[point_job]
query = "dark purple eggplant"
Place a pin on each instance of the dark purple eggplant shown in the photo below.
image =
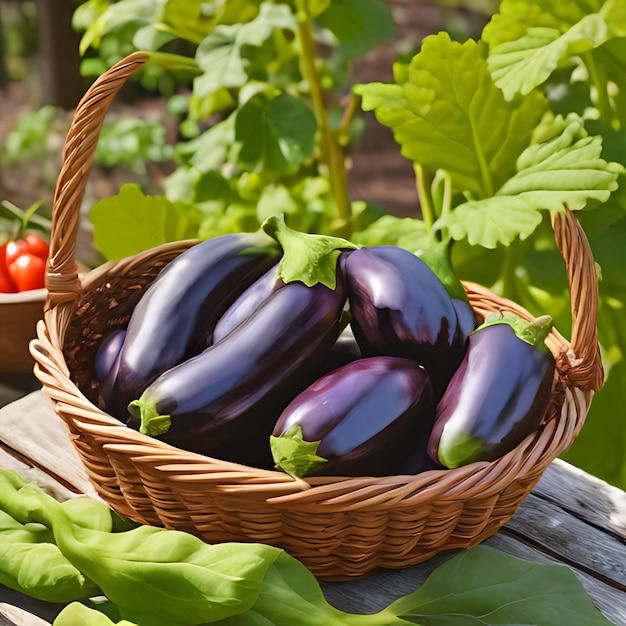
(247, 303)
(211, 398)
(466, 318)
(498, 395)
(364, 416)
(399, 307)
(108, 352)
(107, 363)
(176, 315)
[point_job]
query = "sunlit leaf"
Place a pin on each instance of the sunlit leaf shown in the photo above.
(450, 115)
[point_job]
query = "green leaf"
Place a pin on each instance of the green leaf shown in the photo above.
(309, 258)
(221, 54)
(450, 115)
(31, 563)
(359, 25)
(564, 169)
(485, 586)
(275, 135)
(131, 222)
(294, 455)
(521, 65)
(115, 16)
(77, 613)
(405, 232)
(496, 220)
(292, 596)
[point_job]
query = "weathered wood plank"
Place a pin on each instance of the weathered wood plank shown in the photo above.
(584, 496)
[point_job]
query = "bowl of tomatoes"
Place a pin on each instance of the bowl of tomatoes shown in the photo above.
(22, 296)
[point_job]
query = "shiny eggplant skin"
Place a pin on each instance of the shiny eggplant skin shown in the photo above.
(497, 397)
(466, 318)
(107, 363)
(212, 398)
(364, 415)
(247, 303)
(108, 352)
(177, 313)
(399, 307)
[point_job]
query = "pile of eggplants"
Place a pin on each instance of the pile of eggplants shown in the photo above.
(381, 372)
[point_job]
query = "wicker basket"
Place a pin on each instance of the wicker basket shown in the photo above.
(338, 527)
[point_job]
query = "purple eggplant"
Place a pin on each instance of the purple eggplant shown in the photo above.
(498, 395)
(107, 363)
(466, 318)
(399, 307)
(176, 315)
(107, 353)
(210, 400)
(247, 303)
(364, 415)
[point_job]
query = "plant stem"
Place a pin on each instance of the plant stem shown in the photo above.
(423, 191)
(331, 152)
(603, 102)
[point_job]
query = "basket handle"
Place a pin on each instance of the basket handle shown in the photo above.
(62, 281)
(582, 363)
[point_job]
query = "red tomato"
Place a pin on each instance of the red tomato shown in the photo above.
(28, 272)
(37, 245)
(14, 249)
(6, 283)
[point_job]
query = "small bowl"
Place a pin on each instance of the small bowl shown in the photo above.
(19, 314)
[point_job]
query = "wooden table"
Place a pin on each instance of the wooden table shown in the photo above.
(570, 518)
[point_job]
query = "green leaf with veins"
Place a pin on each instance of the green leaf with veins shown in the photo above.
(565, 169)
(275, 135)
(529, 40)
(450, 115)
(521, 65)
(222, 55)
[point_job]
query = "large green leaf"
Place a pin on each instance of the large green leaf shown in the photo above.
(275, 134)
(484, 586)
(130, 222)
(528, 39)
(521, 65)
(222, 55)
(359, 25)
(450, 115)
(563, 169)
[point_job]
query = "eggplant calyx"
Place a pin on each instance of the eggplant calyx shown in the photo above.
(294, 455)
(152, 423)
(532, 332)
(309, 258)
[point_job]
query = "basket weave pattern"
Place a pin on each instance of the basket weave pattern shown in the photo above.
(339, 527)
